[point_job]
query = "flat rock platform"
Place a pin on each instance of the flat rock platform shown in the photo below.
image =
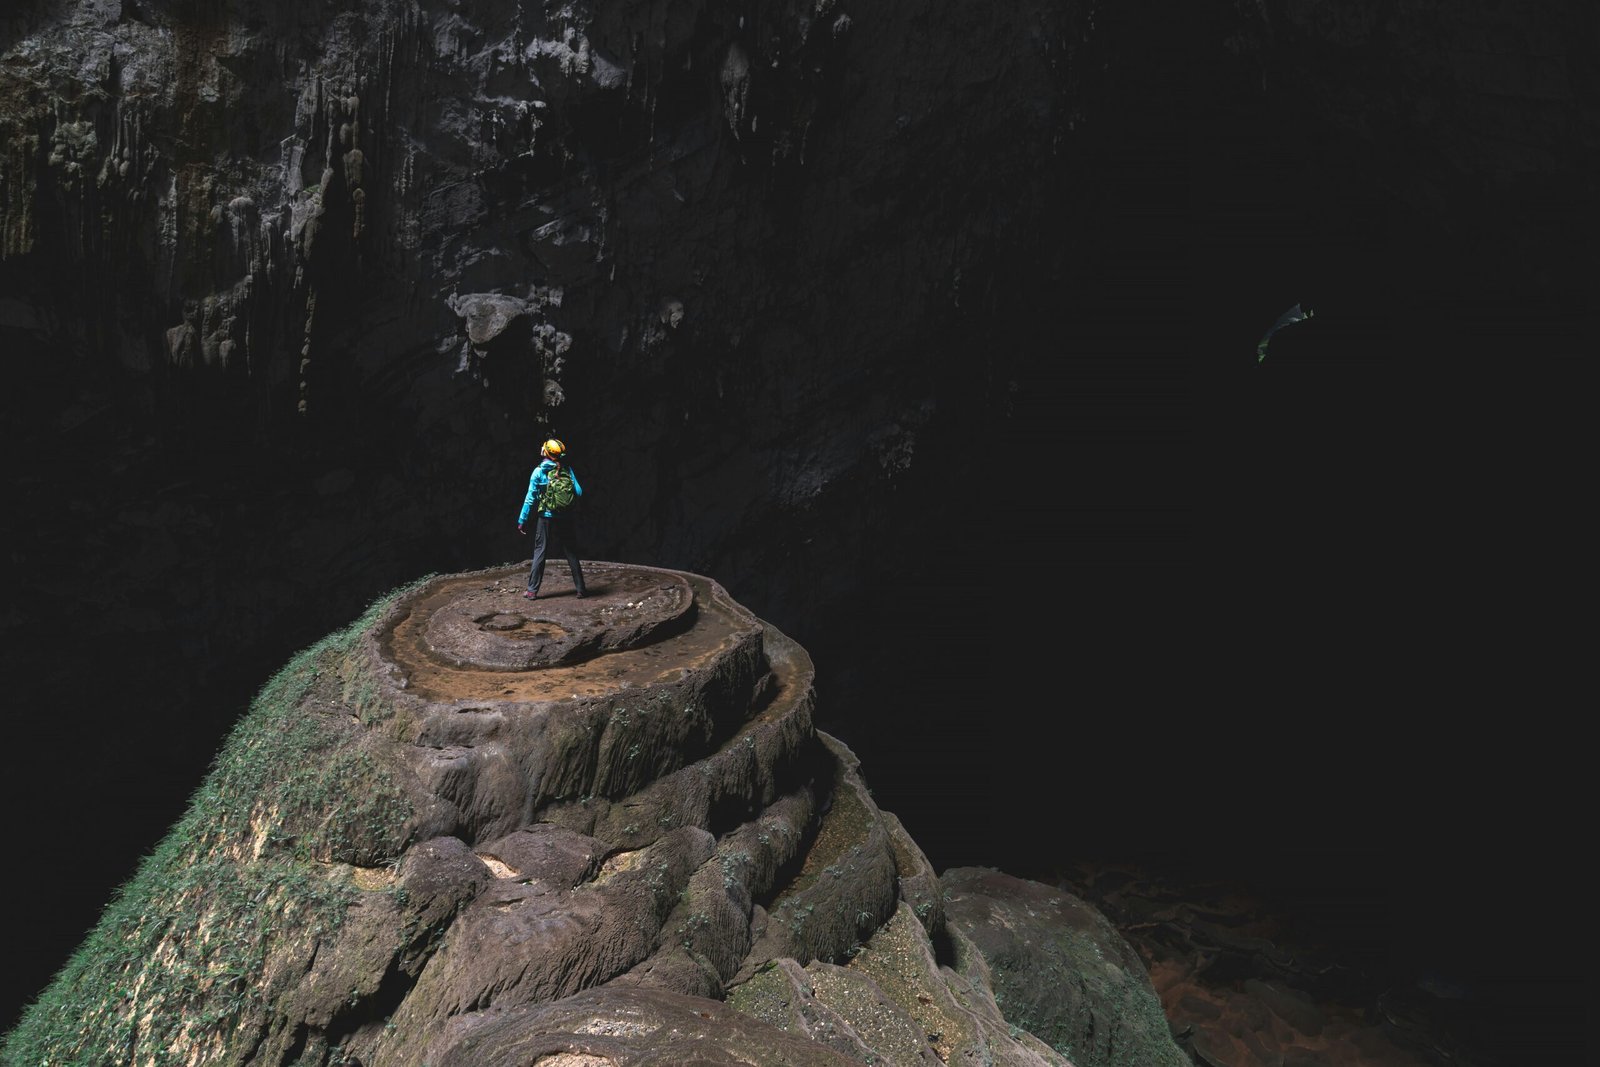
(472, 638)
(490, 625)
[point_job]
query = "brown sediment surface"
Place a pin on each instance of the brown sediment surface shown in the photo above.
(475, 637)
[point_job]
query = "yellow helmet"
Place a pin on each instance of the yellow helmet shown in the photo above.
(554, 449)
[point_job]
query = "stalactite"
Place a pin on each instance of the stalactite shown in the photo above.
(303, 403)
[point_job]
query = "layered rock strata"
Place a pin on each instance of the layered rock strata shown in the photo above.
(478, 828)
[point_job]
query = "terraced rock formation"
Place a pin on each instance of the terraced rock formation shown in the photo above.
(475, 828)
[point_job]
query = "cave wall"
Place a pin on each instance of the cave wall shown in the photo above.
(290, 295)
(294, 296)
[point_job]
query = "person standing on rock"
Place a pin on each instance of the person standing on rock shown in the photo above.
(552, 491)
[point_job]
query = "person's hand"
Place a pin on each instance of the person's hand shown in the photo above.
(521, 531)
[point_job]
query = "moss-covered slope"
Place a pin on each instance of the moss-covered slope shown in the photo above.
(469, 824)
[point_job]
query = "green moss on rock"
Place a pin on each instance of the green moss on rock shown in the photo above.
(184, 964)
(1058, 969)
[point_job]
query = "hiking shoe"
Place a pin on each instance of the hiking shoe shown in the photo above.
(530, 595)
(582, 594)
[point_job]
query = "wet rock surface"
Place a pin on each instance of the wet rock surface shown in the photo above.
(497, 628)
(1058, 968)
(630, 847)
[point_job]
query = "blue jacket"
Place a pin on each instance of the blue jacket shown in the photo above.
(536, 484)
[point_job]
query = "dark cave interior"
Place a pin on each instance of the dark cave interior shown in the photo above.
(1175, 632)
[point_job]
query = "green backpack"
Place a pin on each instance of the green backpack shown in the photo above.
(558, 492)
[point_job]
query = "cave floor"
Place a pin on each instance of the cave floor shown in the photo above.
(1247, 982)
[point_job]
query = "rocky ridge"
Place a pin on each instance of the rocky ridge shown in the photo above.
(474, 828)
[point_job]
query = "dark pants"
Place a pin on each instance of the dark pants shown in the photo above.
(557, 534)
